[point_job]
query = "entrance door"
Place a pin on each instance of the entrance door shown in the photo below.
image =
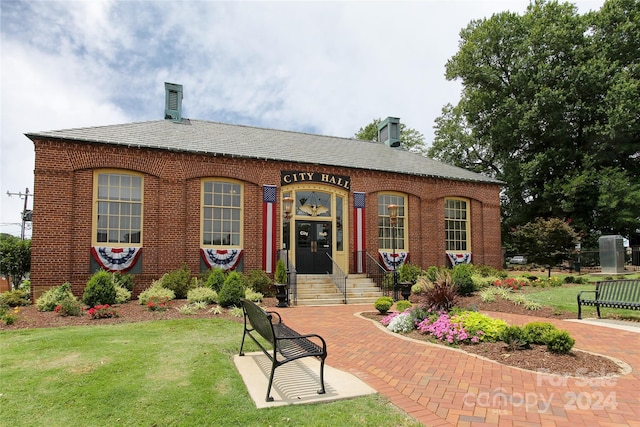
(313, 243)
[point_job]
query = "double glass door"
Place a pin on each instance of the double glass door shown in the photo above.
(313, 244)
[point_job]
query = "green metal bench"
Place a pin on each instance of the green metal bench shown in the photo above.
(613, 294)
(287, 344)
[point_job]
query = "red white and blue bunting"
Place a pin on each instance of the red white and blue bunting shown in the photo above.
(226, 259)
(392, 261)
(116, 259)
(457, 259)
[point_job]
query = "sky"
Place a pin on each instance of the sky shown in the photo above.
(324, 67)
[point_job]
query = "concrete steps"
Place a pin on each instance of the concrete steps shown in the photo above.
(318, 289)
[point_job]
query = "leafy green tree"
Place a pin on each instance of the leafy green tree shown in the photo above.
(410, 139)
(546, 241)
(15, 258)
(549, 106)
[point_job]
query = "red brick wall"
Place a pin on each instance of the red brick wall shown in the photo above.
(61, 238)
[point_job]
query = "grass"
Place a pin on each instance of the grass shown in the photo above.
(564, 298)
(162, 373)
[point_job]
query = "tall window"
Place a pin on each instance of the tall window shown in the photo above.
(221, 213)
(118, 207)
(386, 232)
(456, 225)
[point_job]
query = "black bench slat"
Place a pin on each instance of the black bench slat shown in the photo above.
(623, 294)
(287, 344)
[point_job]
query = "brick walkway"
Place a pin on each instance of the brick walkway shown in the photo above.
(445, 387)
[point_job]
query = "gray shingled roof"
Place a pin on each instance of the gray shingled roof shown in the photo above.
(197, 136)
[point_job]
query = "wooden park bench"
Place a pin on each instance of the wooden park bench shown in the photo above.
(287, 344)
(613, 294)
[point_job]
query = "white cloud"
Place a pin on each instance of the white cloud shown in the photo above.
(322, 67)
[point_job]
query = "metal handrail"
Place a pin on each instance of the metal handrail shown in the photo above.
(338, 278)
(377, 273)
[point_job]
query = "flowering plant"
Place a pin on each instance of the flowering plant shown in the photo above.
(69, 307)
(388, 318)
(510, 283)
(403, 322)
(158, 303)
(444, 329)
(102, 312)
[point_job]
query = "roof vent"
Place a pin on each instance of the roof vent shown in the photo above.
(173, 102)
(389, 132)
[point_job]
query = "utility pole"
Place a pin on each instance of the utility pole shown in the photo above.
(27, 215)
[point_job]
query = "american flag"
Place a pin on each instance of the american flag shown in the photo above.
(268, 227)
(358, 220)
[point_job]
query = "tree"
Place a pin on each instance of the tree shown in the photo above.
(549, 106)
(410, 139)
(15, 258)
(546, 241)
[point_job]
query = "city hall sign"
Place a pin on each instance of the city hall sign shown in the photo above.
(295, 177)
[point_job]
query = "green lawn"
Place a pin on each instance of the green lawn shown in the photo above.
(162, 373)
(564, 298)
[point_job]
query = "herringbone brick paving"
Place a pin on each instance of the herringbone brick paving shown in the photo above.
(440, 386)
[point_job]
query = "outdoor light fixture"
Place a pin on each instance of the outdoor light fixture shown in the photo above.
(287, 205)
(393, 219)
(393, 214)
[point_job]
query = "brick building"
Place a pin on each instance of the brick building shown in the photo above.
(147, 197)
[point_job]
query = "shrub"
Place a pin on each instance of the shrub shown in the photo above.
(259, 281)
(559, 341)
(215, 310)
(409, 273)
(8, 316)
(188, 309)
(102, 312)
(461, 278)
(402, 305)
(487, 295)
(232, 290)
(69, 307)
(480, 325)
(538, 331)
(515, 338)
(441, 295)
(158, 303)
(252, 295)
(15, 298)
(49, 300)
(488, 271)
(281, 272)
(215, 279)
(481, 282)
(432, 272)
(511, 283)
(155, 291)
(553, 281)
(383, 304)
(202, 294)
(99, 290)
(123, 279)
(122, 294)
(179, 281)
